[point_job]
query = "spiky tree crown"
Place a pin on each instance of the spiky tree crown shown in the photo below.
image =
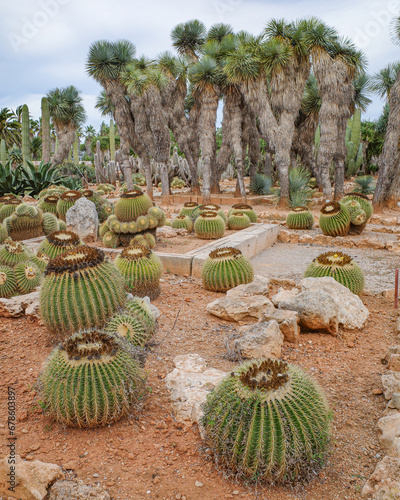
(71, 195)
(225, 253)
(331, 208)
(76, 259)
(64, 238)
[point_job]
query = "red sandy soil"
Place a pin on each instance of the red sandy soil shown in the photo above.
(150, 455)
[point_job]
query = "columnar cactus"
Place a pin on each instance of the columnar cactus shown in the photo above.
(81, 289)
(46, 144)
(26, 150)
(91, 380)
(238, 221)
(334, 219)
(183, 222)
(141, 269)
(209, 226)
(59, 242)
(300, 218)
(226, 268)
(66, 201)
(3, 152)
(339, 266)
(268, 421)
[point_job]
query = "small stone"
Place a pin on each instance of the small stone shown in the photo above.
(236, 492)
(198, 484)
(377, 392)
(156, 480)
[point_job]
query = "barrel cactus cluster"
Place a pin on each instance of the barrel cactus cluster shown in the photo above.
(81, 289)
(245, 209)
(104, 208)
(360, 209)
(134, 213)
(334, 219)
(226, 268)
(339, 266)
(141, 269)
(268, 421)
(90, 380)
(19, 272)
(28, 221)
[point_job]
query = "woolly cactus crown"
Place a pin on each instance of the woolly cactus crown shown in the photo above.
(75, 259)
(63, 238)
(71, 195)
(331, 208)
(225, 253)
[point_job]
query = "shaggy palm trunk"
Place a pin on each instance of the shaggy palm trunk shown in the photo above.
(225, 151)
(234, 101)
(303, 141)
(206, 130)
(65, 138)
(252, 138)
(388, 186)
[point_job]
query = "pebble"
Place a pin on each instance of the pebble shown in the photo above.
(236, 492)
(198, 484)
(377, 392)
(95, 475)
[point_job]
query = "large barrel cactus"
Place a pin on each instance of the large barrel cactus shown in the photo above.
(66, 201)
(141, 269)
(339, 266)
(49, 203)
(300, 218)
(268, 421)
(226, 268)
(59, 242)
(209, 226)
(244, 208)
(81, 289)
(334, 219)
(91, 380)
(131, 205)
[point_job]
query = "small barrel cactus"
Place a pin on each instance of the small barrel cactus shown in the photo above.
(8, 208)
(3, 233)
(238, 221)
(209, 207)
(110, 239)
(334, 219)
(66, 201)
(91, 380)
(81, 289)
(49, 203)
(13, 252)
(339, 266)
(50, 223)
(268, 421)
(41, 260)
(226, 268)
(244, 208)
(141, 269)
(358, 217)
(300, 218)
(130, 328)
(158, 213)
(209, 226)
(183, 222)
(363, 200)
(131, 205)
(6, 198)
(188, 208)
(59, 242)
(28, 276)
(8, 283)
(140, 309)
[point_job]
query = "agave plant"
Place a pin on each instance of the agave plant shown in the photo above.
(10, 180)
(300, 193)
(35, 179)
(365, 184)
(261, 184)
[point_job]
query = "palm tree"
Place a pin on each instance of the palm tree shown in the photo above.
(382, 82)
(105, 105)
(388, 185)
(188, 38)
(10, 127)
(89, 133)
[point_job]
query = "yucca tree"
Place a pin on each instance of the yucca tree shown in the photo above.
(67, 114)
(388, 186)
(89, 133)
(105, 105)
(272, 72)
(382, 82)
(10, 127)
(188, 38)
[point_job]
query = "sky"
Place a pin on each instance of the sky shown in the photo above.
(44, 43)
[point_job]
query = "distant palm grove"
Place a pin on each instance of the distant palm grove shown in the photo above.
(292, 97)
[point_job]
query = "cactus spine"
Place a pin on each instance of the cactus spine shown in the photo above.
(46, 143)
(91, 380)
(26, 153)
(268, 421)
(3, 152)
(226, 268)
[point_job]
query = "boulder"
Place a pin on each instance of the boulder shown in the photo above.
(21, 304)
(389, 430)
(240, 308)
(260, 340)
(284, 295)
(394, 362)
(259, 286)
(384, 484)
(82, 218)
(322, 239)
(370, 243)
(306, 238)
(390, 383)
(284, 236)
(288, 322)
(317, 310)
(352, 312)
(189, 383)
(32, 478)
(74, 490)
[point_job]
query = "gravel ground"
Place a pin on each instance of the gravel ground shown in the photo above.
(285, 260)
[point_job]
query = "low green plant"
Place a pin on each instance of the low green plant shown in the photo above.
(35, 179)
(261, 184)
(365, 184)
(300, 218)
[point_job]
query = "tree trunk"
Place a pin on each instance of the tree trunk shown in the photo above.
(387, 188)
(165, 192)
(66, 137)
(339, 178)
(88, 146)
(268, 165)
(147, 173)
